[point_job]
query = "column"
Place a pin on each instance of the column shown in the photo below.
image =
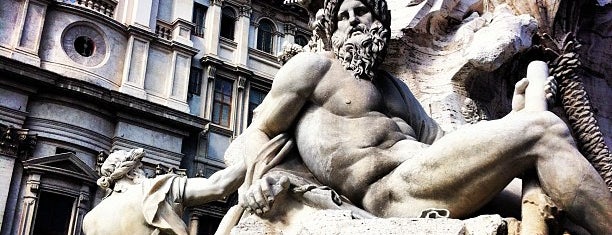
(28, 207)
(213, 27)
(194, 222)
(242, 39)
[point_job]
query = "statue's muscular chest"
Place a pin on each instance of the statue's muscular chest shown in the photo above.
(349, 97)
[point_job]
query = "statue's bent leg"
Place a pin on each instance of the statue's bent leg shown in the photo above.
(465, 169)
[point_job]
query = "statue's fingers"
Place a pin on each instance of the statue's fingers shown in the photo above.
(243, 202)
(261, 201)
(266, 190)
(284, 182)
(520, 86)
(253, 203)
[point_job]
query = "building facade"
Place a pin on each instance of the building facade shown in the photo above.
(79, 79)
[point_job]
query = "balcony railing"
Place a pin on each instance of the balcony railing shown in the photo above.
(163, 30)
(199, 31)
(104, 7)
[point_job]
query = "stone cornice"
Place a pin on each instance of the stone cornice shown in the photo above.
(16, 142)
(141, 33)
(115, 100)
(219, 64)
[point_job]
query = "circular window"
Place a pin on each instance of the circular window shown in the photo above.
(84, 45)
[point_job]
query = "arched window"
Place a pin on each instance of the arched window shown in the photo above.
(265, 35)
(228, 22)
(301, 40)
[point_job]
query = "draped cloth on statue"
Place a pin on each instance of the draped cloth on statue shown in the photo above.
(161, 204)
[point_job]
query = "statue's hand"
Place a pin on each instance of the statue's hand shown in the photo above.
(551, 91)
(261, 194)
(518, 99)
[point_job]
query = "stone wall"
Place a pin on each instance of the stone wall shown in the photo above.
(595, 35)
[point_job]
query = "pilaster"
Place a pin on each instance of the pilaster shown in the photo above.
(27, 41)
(181, 31)
(179, 79)
(28, 207)
(213, 27)
(242, 27)
(82, 208)
(141, 13)
(15, 145)
(239, 105)
(211, 72)
(290, 29)
(135, 64)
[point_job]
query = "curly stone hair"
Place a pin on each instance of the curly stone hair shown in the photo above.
(119, 164)
(326, 24)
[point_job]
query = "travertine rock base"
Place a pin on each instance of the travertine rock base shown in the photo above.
(340, 222)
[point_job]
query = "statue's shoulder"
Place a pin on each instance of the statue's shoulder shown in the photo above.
(310, 60)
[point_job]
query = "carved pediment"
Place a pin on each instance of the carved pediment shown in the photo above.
(67, 164)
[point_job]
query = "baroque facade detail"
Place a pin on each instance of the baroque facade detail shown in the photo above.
(16, 142)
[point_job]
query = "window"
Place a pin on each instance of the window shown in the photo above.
(208, 225)
(199, 14)
(301, 40)
(228, 20)
(195, 81)
(255, 98)
(264, 35)
(53, 214)
(222, 102)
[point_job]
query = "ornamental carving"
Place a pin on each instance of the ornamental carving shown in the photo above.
(16, 142)
(245, 11)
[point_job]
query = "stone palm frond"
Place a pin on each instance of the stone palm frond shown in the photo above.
(577, 106)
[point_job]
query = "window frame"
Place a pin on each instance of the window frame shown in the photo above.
(220, 99)
(260, 43)
(199, 19)
(226, 20)
(249, 109)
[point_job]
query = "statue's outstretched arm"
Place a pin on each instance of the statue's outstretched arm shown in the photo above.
(201, 190)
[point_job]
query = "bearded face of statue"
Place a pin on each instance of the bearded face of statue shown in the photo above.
(359, 39)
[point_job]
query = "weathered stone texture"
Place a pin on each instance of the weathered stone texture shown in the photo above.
(340, 222)
(595, 35)
(6, 173)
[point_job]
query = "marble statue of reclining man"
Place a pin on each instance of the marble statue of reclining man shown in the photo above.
(362, 132)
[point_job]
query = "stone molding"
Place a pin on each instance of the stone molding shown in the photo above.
(119, 101)
(16, 142)
(245, 11)
(217, 2)
(290, 28)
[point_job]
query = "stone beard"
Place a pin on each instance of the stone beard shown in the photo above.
(361, 50)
